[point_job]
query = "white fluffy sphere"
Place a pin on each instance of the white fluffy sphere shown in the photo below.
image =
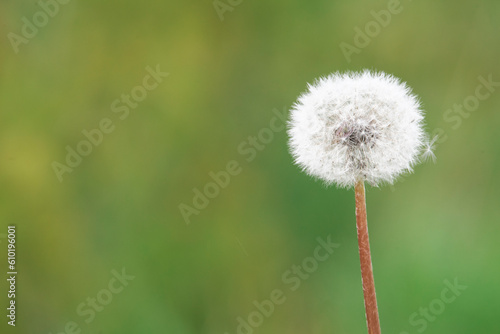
(354, 127)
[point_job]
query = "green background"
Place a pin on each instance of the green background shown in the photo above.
(120, 207)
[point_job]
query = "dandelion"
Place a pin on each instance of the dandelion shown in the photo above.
(352, 128)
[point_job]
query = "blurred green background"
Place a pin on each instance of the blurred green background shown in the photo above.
(120, 207)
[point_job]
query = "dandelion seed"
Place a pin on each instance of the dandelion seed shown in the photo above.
(428, 150)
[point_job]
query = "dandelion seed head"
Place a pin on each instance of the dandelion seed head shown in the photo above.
(356, 126)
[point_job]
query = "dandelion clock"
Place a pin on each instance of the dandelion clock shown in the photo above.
(352, 128)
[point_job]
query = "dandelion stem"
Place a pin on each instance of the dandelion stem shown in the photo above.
(372, 318)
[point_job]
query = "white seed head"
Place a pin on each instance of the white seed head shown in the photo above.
(351, 127)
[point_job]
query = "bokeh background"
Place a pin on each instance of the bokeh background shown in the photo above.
(227, 79)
